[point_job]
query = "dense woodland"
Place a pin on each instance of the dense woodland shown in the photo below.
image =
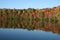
(47, 19)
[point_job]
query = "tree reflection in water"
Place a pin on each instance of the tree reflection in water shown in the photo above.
(31, 19)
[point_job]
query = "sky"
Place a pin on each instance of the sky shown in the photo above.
(23, 4)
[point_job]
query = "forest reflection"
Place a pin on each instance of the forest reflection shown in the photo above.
(32, 19)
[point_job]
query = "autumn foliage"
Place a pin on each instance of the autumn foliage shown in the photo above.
(45, 19)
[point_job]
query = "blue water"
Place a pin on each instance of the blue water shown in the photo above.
(24, 34)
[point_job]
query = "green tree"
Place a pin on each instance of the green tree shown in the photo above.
(58, 15)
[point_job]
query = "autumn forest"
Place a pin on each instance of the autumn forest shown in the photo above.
(47, 19)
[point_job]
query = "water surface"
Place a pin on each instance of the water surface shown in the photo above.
(24, 34)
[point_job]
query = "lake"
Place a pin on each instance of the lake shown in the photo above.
(25, 34)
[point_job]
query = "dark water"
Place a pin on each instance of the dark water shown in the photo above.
(24, 34)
